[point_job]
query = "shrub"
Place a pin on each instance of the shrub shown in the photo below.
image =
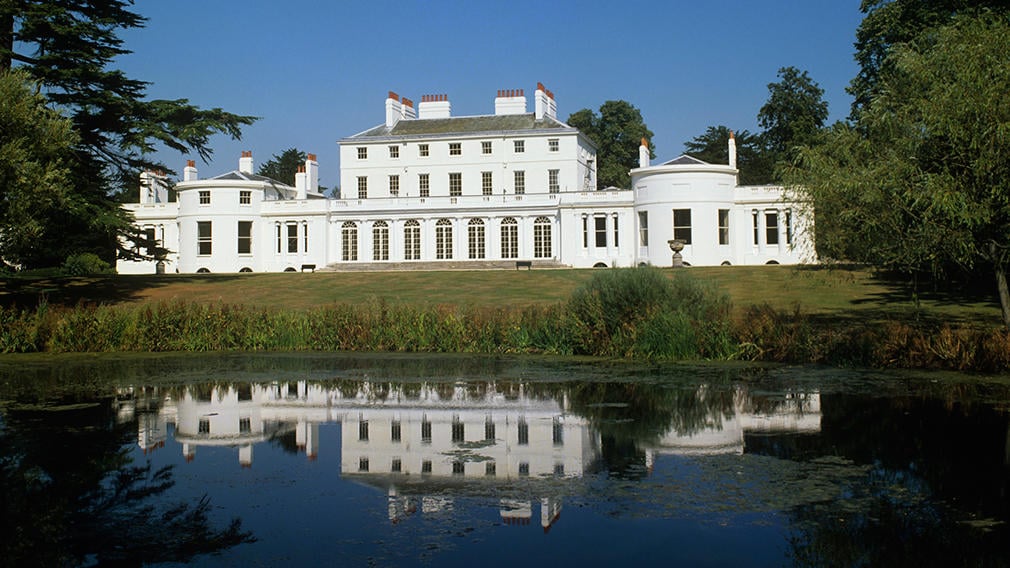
(84, 264)
(641, 311)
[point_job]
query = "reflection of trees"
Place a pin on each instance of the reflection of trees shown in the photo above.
(630, 415)
(72, 496)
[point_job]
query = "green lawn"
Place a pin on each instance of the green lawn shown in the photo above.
(838, 293)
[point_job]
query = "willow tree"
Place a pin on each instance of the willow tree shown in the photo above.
(922, 179)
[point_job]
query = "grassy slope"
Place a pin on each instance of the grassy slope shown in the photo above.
(829, 293)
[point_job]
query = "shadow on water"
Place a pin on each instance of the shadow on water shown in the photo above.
(72, 494)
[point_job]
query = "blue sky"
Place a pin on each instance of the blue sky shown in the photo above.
(318, 71)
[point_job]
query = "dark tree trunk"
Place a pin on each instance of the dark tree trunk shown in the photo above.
(1004, 293)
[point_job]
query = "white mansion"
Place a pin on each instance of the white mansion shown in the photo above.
(426, 187)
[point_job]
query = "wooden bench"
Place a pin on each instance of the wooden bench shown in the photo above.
(527, 264)
(309, 267)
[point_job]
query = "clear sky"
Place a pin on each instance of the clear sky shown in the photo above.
(316, 72)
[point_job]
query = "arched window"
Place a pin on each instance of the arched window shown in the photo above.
(443, 239)
(380, 240)
(509, 238)
(349, 241)
(475, 239)
(412, 240)
(542, 238)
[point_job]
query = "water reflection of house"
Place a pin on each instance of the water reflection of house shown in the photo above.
(427, 444)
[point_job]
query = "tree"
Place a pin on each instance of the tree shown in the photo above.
(35, 173)
(889, 23)
(617, 132)
(921, 180)
(794, 113)
(283, 167)
(752, 159)
(68, 48)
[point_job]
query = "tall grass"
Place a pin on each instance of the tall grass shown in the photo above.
(636, 313)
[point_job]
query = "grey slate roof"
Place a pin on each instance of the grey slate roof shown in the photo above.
(463, 125)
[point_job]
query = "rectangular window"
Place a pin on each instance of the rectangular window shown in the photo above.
(396, 466)
(523, 436)
(204, 426)
(394, 186)
(455, 184)
(203, 240)
(520, 182)
(601, 231)
(490, 469)
(425, 429)
(244, 425)
(152, 244)
(394, 152)
(643, 229)
(558, 432)
(455, 149)
(485, 147)
(789, 227)
(362, 187)
(362, 153)
(362, 464)
(426, 466)
(244, 197)
(489, 430)
(616, 239)
(280, 238)
(204, 197)
(724, 226)
(772, 228)
(524, 469)
(362, 429)
(486, 183)
(585, 232)
(552, 181)
(754, 216)
(292, 237)
(422, 150)
(519, 146)
(305, 237)
(682, 225)
(423, 184)
(245, 237)
(552, 145)
(457, 468)
(458, 431)
(394, 431)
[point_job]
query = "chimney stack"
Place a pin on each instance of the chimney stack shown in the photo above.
(245, 163)
(434, 106)
(189, 173)
(543, 103)
(153, 188)
(644, 154)
(510, 101)
(394, 109)
(732, 150)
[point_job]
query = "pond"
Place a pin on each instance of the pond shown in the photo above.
(263, 460)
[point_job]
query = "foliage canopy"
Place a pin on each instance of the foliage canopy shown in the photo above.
(617, 132)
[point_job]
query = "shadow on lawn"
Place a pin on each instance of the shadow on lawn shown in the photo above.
(27, 293)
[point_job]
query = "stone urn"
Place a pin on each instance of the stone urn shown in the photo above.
(677, 245)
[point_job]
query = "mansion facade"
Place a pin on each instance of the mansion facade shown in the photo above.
(427, 187)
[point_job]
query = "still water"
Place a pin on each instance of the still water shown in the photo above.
(454, 461)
